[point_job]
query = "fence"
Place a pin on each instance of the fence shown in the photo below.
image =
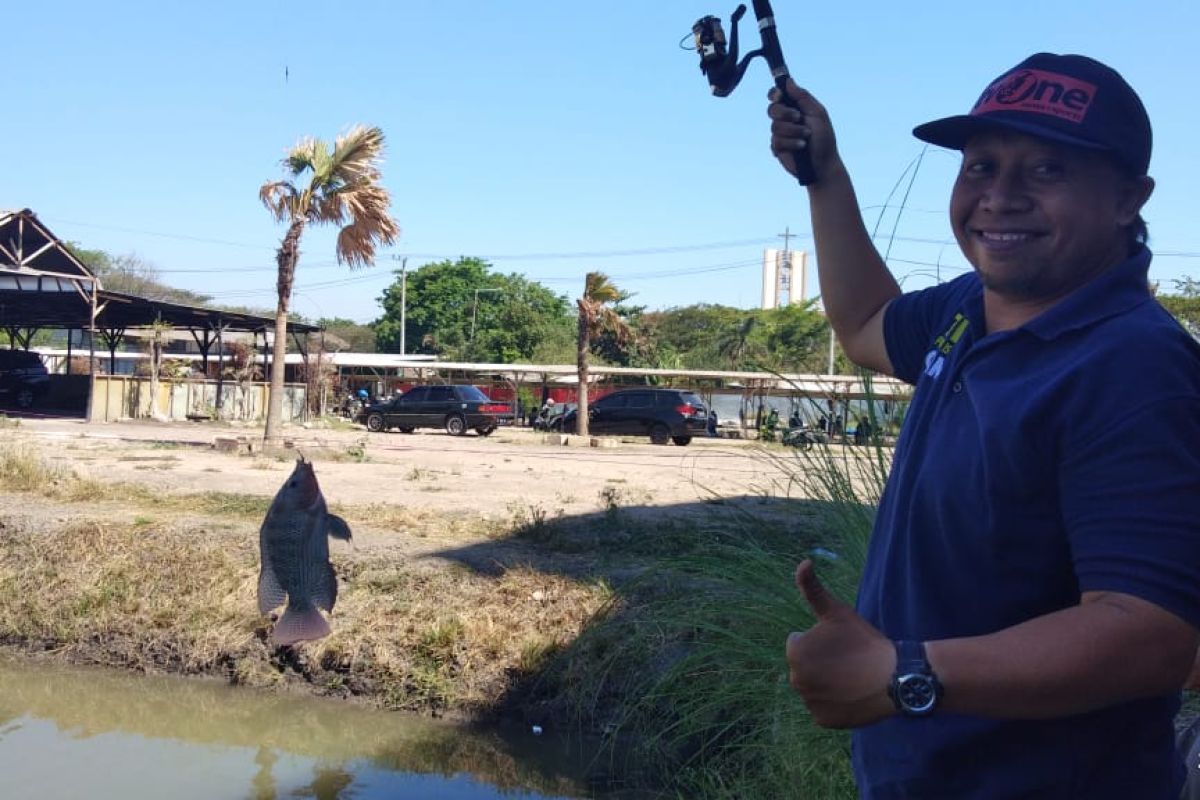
(116, 397)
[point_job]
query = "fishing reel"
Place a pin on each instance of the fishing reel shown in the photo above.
(719, 62)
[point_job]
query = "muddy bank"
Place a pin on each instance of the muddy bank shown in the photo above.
(138, 549)
(156, 587)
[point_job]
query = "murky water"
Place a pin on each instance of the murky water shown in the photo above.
(71, 733)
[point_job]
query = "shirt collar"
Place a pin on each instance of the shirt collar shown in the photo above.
(1112, 292)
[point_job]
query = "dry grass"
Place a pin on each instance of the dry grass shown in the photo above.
(136, 594)
(450, 637)
(134, 586)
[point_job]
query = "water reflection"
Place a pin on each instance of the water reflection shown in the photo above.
(93, 733)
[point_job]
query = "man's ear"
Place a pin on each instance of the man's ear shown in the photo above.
(1135, 192)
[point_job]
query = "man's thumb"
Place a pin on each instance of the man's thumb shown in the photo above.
(823, 603)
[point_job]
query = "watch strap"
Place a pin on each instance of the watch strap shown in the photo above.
(910, 657)
(914, 689)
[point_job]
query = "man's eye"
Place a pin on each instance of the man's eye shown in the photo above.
(977, 168)
(1048, 169)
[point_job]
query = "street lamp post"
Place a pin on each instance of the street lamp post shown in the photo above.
(403, 299)
(403, 302)
(475, 307)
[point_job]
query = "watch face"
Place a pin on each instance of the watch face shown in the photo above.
(916, 693)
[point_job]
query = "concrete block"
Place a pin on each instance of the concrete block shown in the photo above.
(227, 444)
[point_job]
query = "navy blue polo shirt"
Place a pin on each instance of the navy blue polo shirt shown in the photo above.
(1034, 464)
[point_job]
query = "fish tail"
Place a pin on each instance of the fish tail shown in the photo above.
(299, 625)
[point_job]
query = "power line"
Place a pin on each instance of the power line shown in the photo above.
(377, 274)
(330, 264)
(640, 251)
(534, 256)
(182, 236)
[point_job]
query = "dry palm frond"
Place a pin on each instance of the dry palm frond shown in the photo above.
(280, 198)
(357, 153)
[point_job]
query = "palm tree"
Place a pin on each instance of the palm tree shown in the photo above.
(595, 315)
(342, 188)
(734, 344)
(158, 333)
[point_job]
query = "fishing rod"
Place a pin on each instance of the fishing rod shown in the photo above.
(719, 63)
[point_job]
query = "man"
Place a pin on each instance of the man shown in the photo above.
(1029, 606)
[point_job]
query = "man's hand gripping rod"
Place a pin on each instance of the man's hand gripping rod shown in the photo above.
(724, 71)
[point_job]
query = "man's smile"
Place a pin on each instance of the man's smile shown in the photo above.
(1003, 240)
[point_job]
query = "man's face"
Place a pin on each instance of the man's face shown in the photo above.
(1038, 219)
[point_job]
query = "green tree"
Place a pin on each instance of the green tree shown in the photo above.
(624, 347)
(516, 320)
(691, 337)
(595, 315)
(796, 338)
(738, 345)
(132, 274)
(462, 310)
(558, 347)
(438, 315)
(1184, 304)
(343, 188)
(349, 334)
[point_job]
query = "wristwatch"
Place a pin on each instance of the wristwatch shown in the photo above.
(914, 689)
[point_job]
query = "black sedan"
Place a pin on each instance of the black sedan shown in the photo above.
(457, 409)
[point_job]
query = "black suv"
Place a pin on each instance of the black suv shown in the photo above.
(23, 378)
(664, 415)
(455, 408)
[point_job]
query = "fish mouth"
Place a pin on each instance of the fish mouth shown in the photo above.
(304, 482)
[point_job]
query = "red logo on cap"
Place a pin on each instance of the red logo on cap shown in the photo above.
(1038, 92)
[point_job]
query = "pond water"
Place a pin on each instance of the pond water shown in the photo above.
(90, 733)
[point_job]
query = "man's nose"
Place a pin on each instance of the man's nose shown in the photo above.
(1006, 192)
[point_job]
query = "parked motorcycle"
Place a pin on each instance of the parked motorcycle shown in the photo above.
(804, 437)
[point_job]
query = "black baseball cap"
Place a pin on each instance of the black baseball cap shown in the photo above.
(1071, 99)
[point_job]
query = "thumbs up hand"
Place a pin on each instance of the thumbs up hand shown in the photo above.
(842, 665)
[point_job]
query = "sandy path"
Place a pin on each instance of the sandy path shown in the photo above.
(430, 474)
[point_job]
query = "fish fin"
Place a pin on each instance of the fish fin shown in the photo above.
(270, 592)
(299, 625)
(336, 527)
(325, 593)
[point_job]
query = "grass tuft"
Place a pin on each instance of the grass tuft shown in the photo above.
(689, 658)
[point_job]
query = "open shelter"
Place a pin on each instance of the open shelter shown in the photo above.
(44, 286)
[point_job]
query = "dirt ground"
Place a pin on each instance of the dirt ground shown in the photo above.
(513, 473)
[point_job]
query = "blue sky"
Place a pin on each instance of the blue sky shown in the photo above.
(551, 138)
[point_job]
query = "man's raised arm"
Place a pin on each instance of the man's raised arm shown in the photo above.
(856, 285)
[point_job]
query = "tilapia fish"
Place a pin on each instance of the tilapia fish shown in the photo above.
(294, 549)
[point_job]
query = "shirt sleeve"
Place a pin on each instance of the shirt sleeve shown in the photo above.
(1131, 506)
(913, 320)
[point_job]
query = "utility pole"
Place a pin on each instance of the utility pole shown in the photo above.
(786, 236)
(403, 303)
(831, 340)
(785, 274)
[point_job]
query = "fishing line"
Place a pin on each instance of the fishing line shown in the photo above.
(887, 201)
(904, 202)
